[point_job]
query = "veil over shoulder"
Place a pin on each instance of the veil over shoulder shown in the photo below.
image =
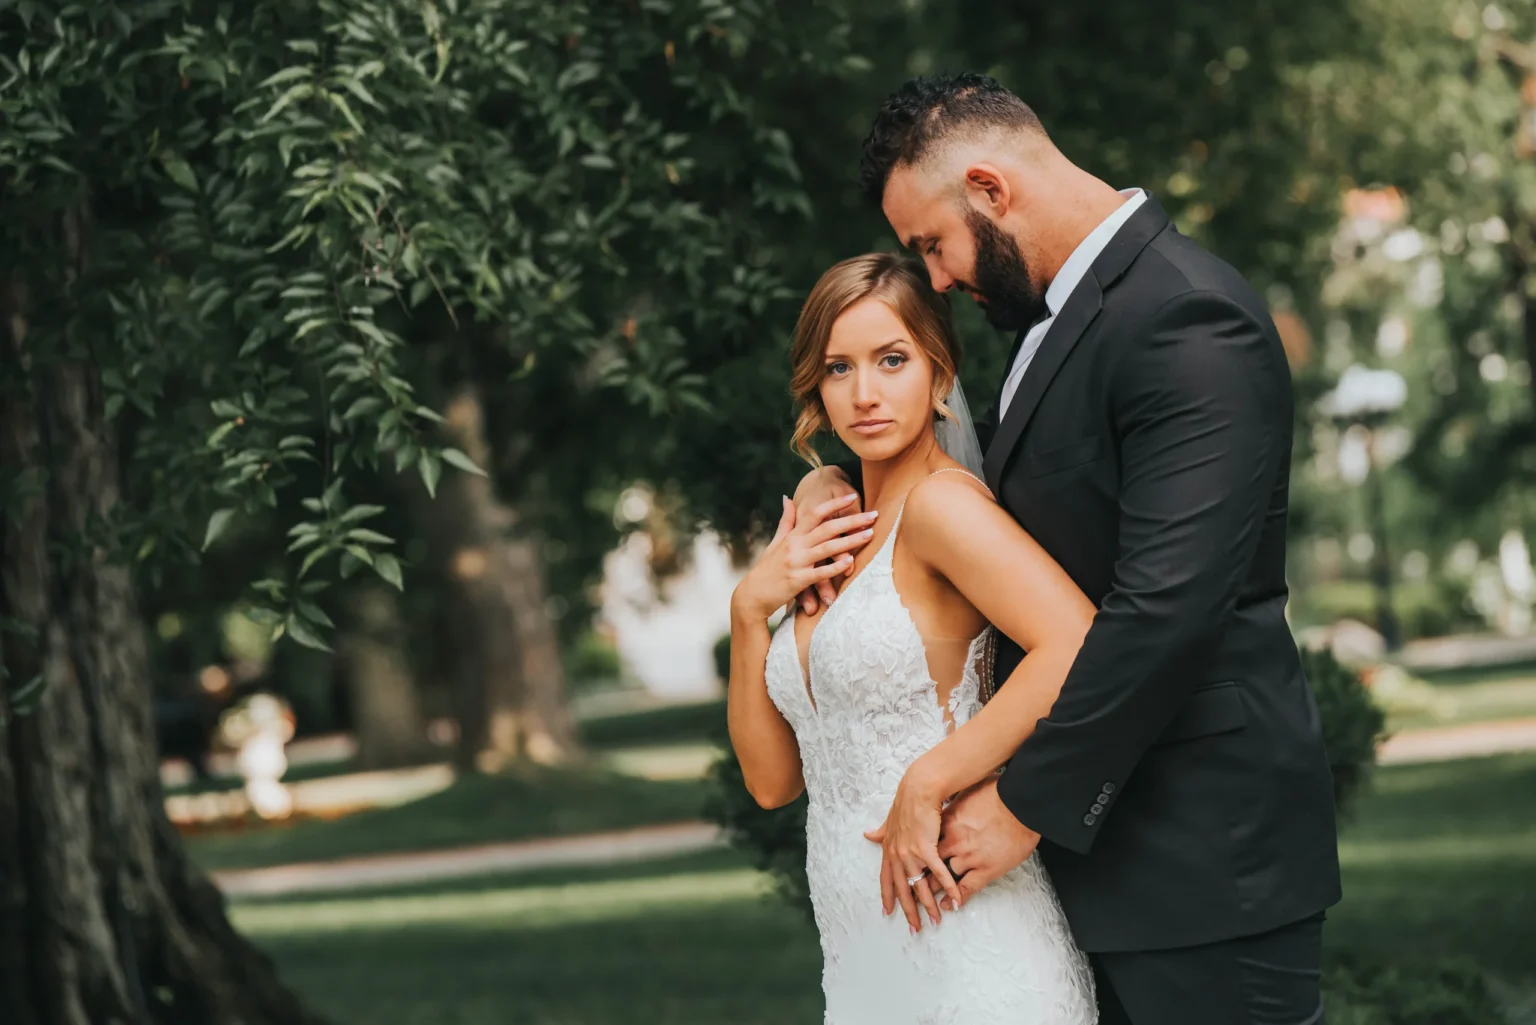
(957, 432)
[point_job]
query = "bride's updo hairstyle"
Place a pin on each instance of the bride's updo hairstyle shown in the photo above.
(898, 283)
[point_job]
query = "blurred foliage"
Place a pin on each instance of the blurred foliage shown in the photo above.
(1434, 112)
(1444, 993)
(286, 233)
(592, 662)
(247, 215)
(1353, 723)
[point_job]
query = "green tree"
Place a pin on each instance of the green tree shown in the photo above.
(227, 229)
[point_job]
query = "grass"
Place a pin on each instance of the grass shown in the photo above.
(702, 721)
(474, 810)
(1495, 698)
(682, 942)
(1440, 861)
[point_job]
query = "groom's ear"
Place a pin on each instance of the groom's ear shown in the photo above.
(989, 188)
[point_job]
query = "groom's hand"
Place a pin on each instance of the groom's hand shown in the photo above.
(981, 840)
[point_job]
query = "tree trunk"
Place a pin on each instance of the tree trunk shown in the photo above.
(386, 707)
(103, 920)
(509, 682)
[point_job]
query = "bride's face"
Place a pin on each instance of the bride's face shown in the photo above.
(877, 384)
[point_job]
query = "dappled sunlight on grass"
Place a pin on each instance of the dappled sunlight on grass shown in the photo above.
(1441, 862)
(478, 809)
(511, 908)
(689, 941)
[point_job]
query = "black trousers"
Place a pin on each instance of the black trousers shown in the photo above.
(1274, 978)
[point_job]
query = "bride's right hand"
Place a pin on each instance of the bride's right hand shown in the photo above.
(791, 561)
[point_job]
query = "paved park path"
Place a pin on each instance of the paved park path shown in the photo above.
(1411, 746)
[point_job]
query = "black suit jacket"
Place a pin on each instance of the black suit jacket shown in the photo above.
(1180, 782)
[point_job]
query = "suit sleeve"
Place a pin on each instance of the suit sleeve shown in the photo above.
(1201, 405)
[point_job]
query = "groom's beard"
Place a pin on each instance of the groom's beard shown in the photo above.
(1010, 299)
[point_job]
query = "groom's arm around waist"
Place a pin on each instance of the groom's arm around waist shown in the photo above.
(1201, 404)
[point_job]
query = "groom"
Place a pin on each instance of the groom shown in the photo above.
(1178, 791)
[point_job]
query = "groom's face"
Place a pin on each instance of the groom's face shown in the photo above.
(963, 248)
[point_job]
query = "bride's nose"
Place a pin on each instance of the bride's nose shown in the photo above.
(866, 390)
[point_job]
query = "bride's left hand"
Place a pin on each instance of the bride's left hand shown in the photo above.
(909, 842)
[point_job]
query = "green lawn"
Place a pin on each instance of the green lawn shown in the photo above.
(681, 942)
(1441, 860)
(474, 810)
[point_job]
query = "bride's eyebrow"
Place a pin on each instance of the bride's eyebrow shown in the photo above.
(833, 357)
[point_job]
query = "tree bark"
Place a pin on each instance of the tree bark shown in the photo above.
(386, 706)
(103, 919)
(509, 681)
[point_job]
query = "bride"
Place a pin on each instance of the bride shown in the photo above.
(874, 705)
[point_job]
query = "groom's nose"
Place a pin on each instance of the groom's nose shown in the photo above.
(941, 282)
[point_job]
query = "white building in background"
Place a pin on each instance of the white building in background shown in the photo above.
(666, 637)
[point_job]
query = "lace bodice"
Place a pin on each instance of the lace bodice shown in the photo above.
(869, 709)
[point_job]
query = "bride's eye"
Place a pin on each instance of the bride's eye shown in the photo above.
(837, 369)
(892, 360)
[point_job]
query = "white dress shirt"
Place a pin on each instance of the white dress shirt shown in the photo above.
(1062, 286)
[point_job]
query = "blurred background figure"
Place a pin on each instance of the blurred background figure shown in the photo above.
(256, 729)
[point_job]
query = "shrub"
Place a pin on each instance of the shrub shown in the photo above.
(1353, 724)
(1444, 993)
(723, 658)
(592, 662)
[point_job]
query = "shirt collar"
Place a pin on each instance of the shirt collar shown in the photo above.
(1088, 250)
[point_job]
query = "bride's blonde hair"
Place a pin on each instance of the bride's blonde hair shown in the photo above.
(899, 284)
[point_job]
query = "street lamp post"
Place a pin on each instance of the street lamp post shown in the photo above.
(1364, 400)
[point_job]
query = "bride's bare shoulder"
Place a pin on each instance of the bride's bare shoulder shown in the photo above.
(948, 504)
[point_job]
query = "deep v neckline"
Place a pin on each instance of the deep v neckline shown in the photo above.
(803, 665)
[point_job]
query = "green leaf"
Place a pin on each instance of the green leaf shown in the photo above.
(358, 513)
(363, 407)
(371, 329)
(313, 613)
(431, 470)
(301, 632)
(456, 458)
(340, 103)
(285, 75)
(263, 615)
(180, 173)
(360, 90)
(225, 409)
(24, 699)
(369, 536)
(216, 526)
(301, 91)
(312, 558)
(388, 567)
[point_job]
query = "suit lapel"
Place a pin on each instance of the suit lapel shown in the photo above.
(1081, 307)
(1075, 316)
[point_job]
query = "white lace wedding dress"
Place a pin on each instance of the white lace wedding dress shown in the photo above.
(871, 709)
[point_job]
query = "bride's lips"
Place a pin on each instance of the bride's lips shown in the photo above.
(868, 427)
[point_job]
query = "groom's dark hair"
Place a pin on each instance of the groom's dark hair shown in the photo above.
(926, 110)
